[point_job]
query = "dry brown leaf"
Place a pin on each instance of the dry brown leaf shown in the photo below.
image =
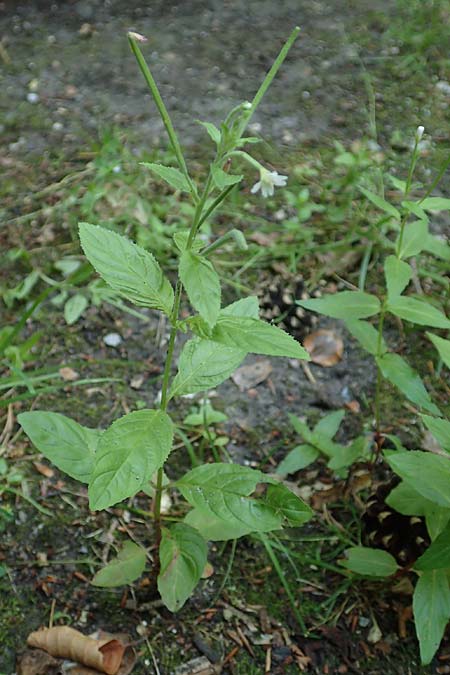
(208, 571)
(325, 497)
(199, 666)
(68, 374)
(247, 377)
(324, 347)
(127, 665)
(263, 239)
(36, 662)
(128, 659)
(44, 469)
(65, 642)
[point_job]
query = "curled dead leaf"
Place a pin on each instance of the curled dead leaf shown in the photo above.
(325, 347)
(62, 641)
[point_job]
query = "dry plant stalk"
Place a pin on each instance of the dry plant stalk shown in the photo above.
(64, 642)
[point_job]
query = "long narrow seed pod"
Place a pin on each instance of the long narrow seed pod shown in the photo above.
(64, 642)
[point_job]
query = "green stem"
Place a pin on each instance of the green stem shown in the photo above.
(218, 200)
(163, 112)
(30, 500)
(403, 222)
(168, 365)
(235, 234)
(268, 79)
(199, 210)
(437, 180)
(379, 377)
(412, 166)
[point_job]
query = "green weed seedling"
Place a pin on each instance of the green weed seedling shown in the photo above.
(425, 489)
(202, 419)
(130, 455)
(319, 441)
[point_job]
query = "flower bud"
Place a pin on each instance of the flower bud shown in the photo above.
(419, 133)
(136, 36)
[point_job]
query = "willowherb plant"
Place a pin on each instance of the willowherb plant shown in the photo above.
(425, 487)
(130, 455)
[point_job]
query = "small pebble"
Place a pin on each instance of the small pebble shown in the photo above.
(112, 340)
(443, 86)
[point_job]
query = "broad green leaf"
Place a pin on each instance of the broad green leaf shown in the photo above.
(181, 239)
(429, 474)
(63, 441)
(223, 179)
(398, 184)
(431, 608)
(183, 555)
(202, 285)
(436, 519)
(414, 239)
(326, 445)
(171, 175)
(437, 247)
(367, 336)
(417, 311)
(440, 429)
(345, 305)
(398, 275)
(124, 569)
(74, 308)
(399, 373)
(319, 440)
(257, 337)
(246, 307)
(381, 203)
(329, 425)
(435, 204)
(405, 499)
(437, 556)
(128, 454)
(287, 505)
(215, 529)
(301, 427)
(212, 130)
(224, 490)
(443, 347)
(126, 267)
(416, 209)
(344, 455)
(371, 562)
(204, 364)
(298, 458)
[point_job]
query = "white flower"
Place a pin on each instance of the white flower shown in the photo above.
(268, 180)
(419, 133)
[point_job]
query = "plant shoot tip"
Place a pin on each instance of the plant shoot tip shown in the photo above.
(137, 36)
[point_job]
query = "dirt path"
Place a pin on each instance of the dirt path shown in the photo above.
(70, 69)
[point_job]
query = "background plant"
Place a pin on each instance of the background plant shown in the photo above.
(425, 476)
